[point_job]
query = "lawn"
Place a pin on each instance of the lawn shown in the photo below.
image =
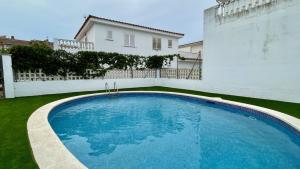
(15, 152)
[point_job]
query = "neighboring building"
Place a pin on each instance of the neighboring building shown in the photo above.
(100, 34)
(192, 54)
(194, 47)
(6, 43)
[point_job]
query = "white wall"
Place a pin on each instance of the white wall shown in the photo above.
(90, 36)
(254, 54)
(199, 85)
(54, 87)
(34, 88)
(7, 76)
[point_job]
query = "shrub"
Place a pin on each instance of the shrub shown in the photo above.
(32, 57)
(157, 62)
(60, 62)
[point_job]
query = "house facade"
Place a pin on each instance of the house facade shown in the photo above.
(191, 53)
(100, 34)
(194, 47)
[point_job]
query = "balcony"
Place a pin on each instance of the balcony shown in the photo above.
(73, 46)
(190, 55)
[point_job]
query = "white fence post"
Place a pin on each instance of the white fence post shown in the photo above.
(157, 73)
(9, 91)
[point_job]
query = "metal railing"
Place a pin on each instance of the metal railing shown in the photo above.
(107, 89)
(116, 89)
(197, 60)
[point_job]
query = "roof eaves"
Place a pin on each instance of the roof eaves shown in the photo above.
(191, 44)
(129, 24)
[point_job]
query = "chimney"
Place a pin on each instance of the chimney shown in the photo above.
(12, 37)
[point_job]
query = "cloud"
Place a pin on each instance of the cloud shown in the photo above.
(38, 19)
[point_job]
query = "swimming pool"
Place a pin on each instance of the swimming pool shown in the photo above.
(160, 130)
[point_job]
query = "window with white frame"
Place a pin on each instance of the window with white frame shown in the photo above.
(156, 43)
(170, 43)
(129, 40)
(109, 35)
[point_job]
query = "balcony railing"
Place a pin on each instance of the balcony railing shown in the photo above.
(72, 45)
(189, 55)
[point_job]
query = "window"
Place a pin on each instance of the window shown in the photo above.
(156, 44)
(129, 40)
(132, 40)
(109, 35)
(170, 44)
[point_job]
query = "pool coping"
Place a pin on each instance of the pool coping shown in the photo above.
(50, 153)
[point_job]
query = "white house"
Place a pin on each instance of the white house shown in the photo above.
(192, 53)
(100, 34)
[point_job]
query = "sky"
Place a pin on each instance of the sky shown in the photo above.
(42, 19)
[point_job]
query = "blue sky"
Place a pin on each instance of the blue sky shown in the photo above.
(39, 19)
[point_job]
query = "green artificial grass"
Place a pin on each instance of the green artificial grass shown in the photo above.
(15, 151)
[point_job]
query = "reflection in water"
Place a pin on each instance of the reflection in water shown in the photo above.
(106, 124)
(160, 131)
(113, 125)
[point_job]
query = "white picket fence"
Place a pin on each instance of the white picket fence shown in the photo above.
(194, 74)
(113, 74)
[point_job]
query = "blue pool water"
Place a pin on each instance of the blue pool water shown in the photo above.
(160, 131)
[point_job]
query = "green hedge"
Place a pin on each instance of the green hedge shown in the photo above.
(59, 62)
